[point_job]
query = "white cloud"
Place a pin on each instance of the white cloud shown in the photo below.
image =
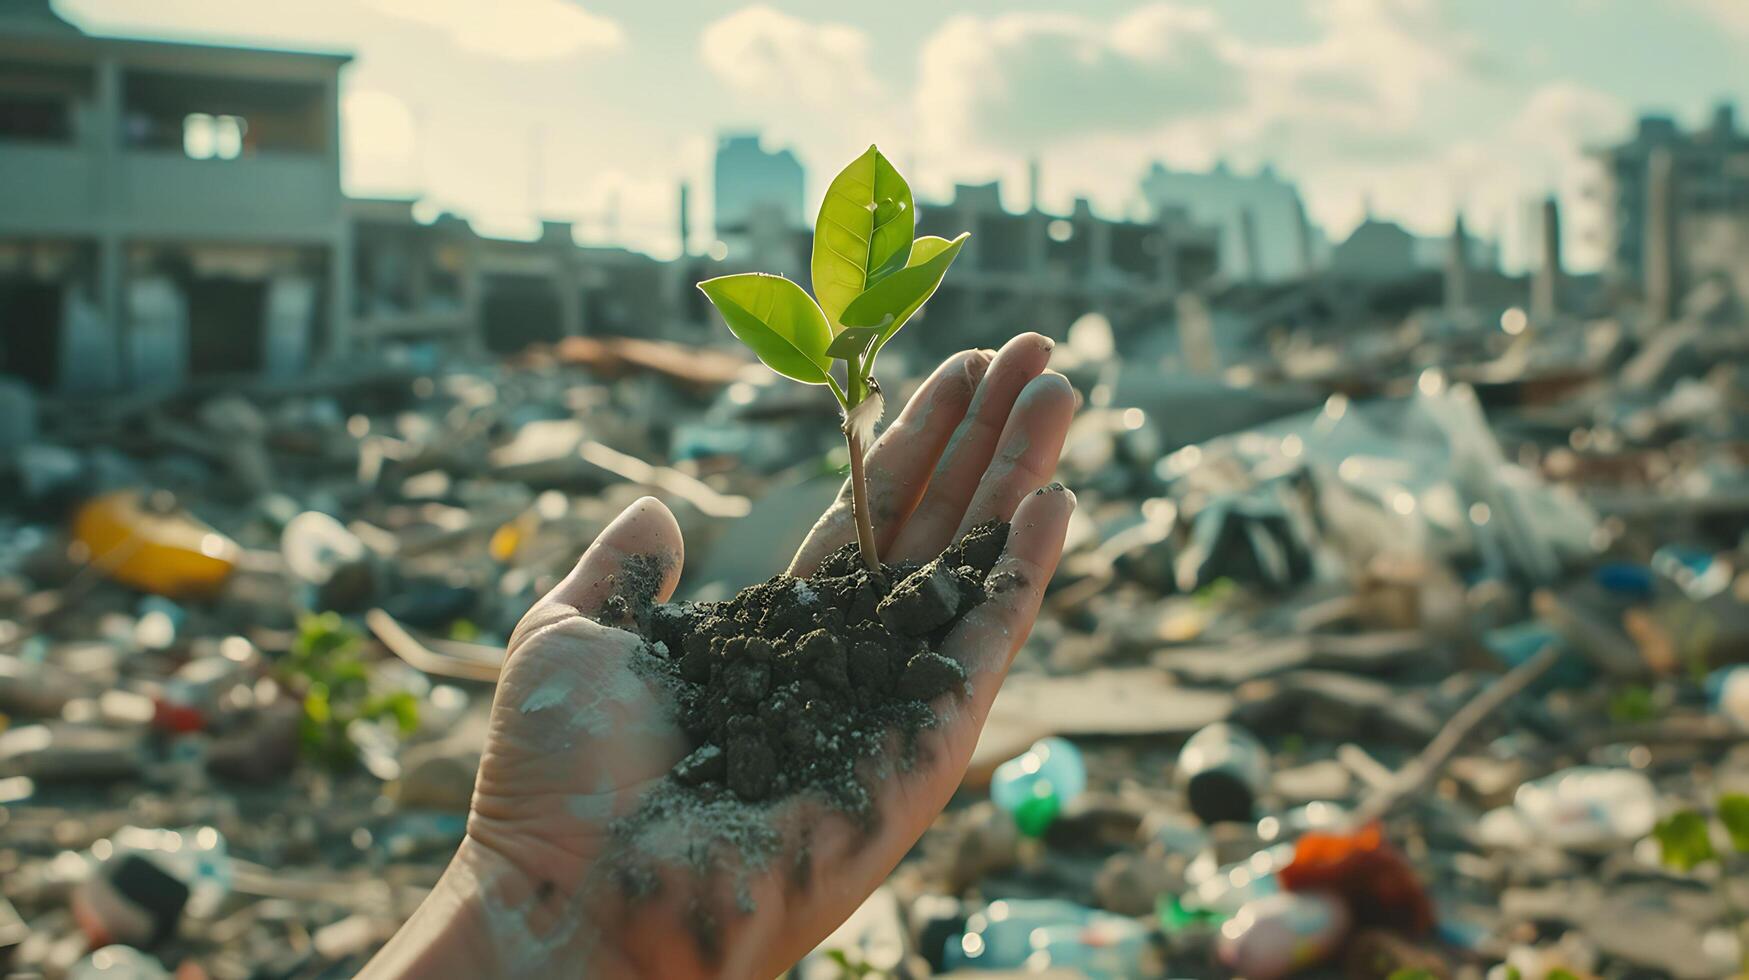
(766, 54)
(1017, 82)
(515, 30)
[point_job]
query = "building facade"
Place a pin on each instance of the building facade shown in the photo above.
(167, 210)
(1265, 234)
(1041, 271)
(1679, 207)
(750, 181)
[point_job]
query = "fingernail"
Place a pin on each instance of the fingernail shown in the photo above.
(1050, 344)
(977, 365)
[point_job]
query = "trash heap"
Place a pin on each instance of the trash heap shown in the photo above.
(1417, 656)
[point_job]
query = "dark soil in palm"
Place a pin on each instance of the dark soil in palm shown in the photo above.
(787, 686)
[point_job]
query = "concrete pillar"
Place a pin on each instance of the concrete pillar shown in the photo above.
(339, 312)
(1457, 269)
(108, 176)
(1303, 236)
(1168, 263)
(1545, 289)
(1196, 335)
(1251, 262)
(1658, 254)
(685, 218)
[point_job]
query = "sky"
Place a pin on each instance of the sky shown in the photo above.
(595, 111)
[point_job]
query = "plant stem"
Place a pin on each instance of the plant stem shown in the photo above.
(865, 538)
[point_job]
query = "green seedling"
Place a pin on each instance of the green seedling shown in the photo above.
(326, 662)
(869, 277)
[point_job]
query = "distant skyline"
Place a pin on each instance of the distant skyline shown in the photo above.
(581, 110)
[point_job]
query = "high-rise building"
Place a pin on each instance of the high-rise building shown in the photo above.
(1265, 234)
(750, 180)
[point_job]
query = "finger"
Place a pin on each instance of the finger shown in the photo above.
(898, 464)
(968, 453)
(987, 638)
(638, 556)
(1026, 457)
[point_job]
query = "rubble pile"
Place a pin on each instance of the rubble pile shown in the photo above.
(1426, 658)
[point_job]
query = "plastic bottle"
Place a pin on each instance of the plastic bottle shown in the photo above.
(1005, 935)
(1107, 946)
(1588, 807)
(1222, 769)
(151, 545)
(1696, 572)
(331, 562)
(1278, 934)
(1034, 786)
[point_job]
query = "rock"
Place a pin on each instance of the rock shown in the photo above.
(1131, 884)
(979, 549)
(923, 602)
(824, 656)
(929, 674)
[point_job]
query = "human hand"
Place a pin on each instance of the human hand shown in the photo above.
(577, 738)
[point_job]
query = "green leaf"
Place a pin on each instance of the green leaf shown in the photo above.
(863, 233)
(1734, 814)
(775, 318)
(1683, 840)
(895, 299)
(1632, 704)
(851, 342)
(1408, 973)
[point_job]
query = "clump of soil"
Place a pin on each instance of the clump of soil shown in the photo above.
(785, 687)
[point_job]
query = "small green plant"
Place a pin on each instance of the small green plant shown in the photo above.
(326, 662)
(1685, 842)
(852, 969)
(1633, 704)
(869, 277)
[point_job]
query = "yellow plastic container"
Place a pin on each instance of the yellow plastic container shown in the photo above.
(169, 553)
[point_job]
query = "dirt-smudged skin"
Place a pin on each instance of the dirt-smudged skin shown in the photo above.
(793, 687)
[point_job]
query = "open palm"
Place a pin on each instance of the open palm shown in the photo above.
(578, 738)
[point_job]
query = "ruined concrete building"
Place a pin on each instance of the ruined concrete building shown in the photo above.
(1680, 206)
(1045, 270)
(439, 286)
(1265, 233)
(172, 213)
(166, 210)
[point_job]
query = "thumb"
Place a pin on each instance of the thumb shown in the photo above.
(637, 557)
